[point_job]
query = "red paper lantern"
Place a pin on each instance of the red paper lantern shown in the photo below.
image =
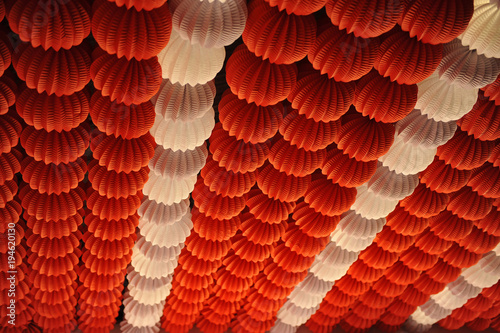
(477, 206)
(213, 229)
(364, 18)
(53, 113)
(247, 121)
(463, 152)
(363, 138)
(62, 72)
(483, 121)
(55, 147)
(50, 25)
(53, 178)
(320, 98)
(10, 131)
(312, 223)
(450, 227)
(257, 80)
(343, 56)
(280, 186)
(144, 35)
(380, 99)
(122, 155)
(140, 4)
(128, 82)
(268, 209)
(447, 19)
(113, 208)
(8, 89)
(127, 121)
(340, 198)
(9, 165)
(405, 59)
(275, 35)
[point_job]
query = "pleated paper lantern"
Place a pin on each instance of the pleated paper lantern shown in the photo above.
(383, 100)
(224, 182)
(52, 178)
(67, 24)
(345, 171)
(128, 82)
(407, 60)
(464, 152)
(466, 67)
(480, 33)
(53, 113)
(402, 222)
(106, 181)
(60, 72)
(169, 163)
(181, 61)
(343, 56)
(312, 223)
(236, 155)
(184, 102)
(8, 89)
(484, 181)
(320, 98)
(341, 197)
(10, 164)
(280, 186)
(10, 131)
(122, 155)
(292, 43)
(257, 80)
(247, 121)
(419, 14)
(127, 121)
(212, 24)
(483, 121)
(443, 178)
(389, 184)
(144, 36)
(268, 209)
(54, 147)
(477, 206)
(424, 202)
(364, 139)
(183, 135)
(365, 19)
(140, 4)
(214, 205)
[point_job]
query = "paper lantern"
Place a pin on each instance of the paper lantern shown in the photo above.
(111, 229)
(482, 121)
(260, 232)
(51, 206)
(113, 208)
(257, 80)
(312, 223)
(466, 67)
(226, 183)
(320, 98)
(364, 139)
(341, 198)
(477, 206)
(212, 24)
(236, 155)
(484, 181)
(268, 209)
(10, 165)
(443, 178)
(8, 89)
(154, 212)
(463, 152)
(125, 81)
(424, 202)
(307, 133)
(343, 56)
(106, 182)
(445, 28)
(127, 121)
(212, 229)
(480, 33)
(492, 91)
(52, 178)
(214, 205)
(54, 147)
(184, 102)
(53, 113)
(62, 72)
(345, 171)
(277, 36)
(488, 224)
(146, 33)
(122, 155)
(169, 163)
(380, 99)
(295, 161)
(183, 135)
(181, 61)
(450, 227)
(67, 24)
(280, 186)
(405, 59)
(247, 121)
(392, 185)
(364, 18)
(168, 190)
